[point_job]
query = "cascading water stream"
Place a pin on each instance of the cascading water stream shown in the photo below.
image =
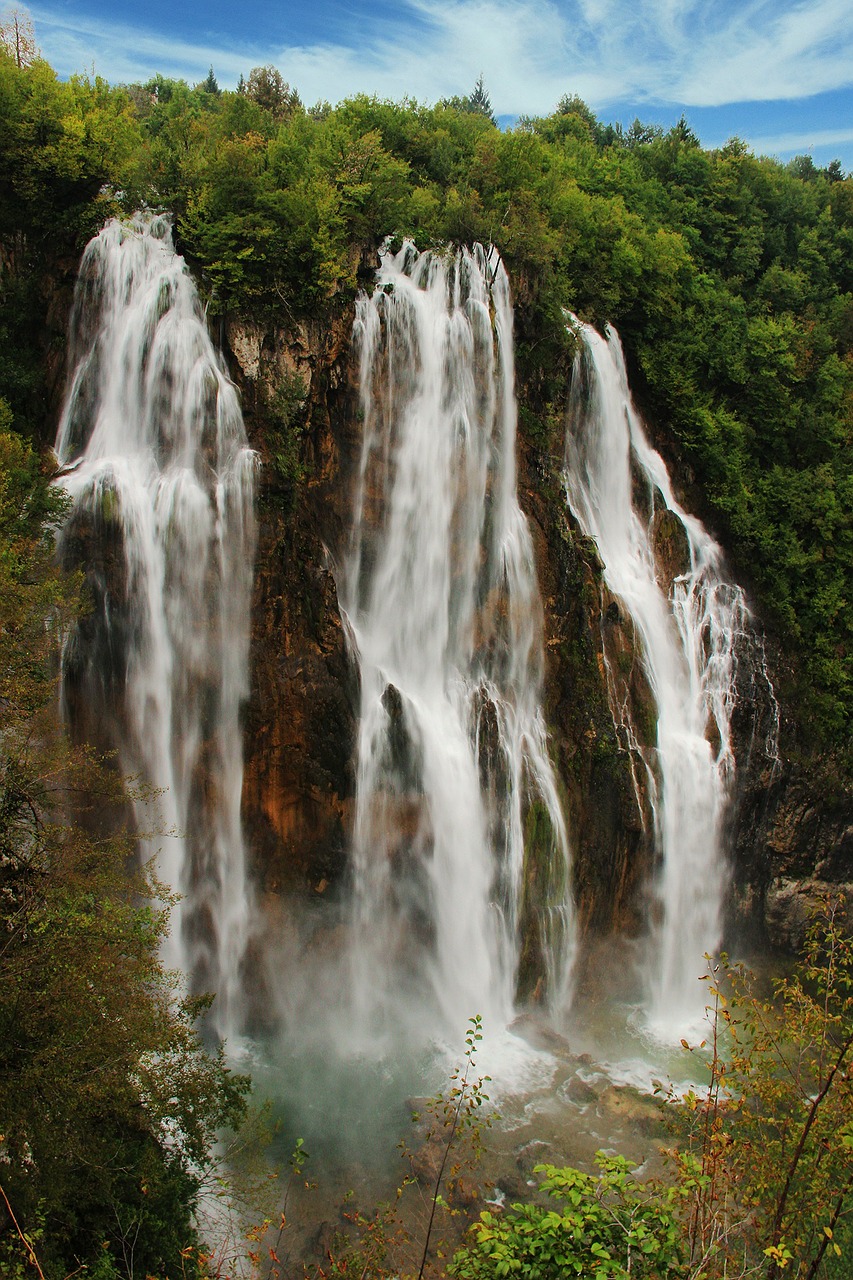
(155, 459)
(688, 631)
(460, 845)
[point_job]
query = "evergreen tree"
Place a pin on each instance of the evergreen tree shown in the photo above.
(479, 101)
(210, 83)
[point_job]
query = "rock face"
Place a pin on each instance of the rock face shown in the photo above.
(299, 407)
(791, 838)
(300, 726)
(793, 844)
(610, 844)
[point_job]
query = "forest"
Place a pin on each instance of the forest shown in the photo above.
(729, 277)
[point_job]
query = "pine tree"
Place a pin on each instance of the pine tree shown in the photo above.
(479, 101)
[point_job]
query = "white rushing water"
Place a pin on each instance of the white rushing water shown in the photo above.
(688, 630)
(161, 478)
(444, 616)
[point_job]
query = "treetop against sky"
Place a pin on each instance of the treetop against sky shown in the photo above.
(778, 73)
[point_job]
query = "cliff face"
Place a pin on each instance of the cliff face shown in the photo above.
(300, 401)
(793, 845)
(300, 729)
(792, 825)
(610, 833)
(300, 725)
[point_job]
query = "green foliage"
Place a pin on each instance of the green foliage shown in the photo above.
(601, 1227)
(477, 102)
(458, 1114)
(68, 148)
(267, 87)
(17, 36)
(63, 143)
(210, 84)
(285, 414)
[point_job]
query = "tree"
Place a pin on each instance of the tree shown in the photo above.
(270, 90)
(210, 84)
(479, 101)
(572, 105)
(609, 1226)
(18, 37)
(768, 1156)
(475, 103)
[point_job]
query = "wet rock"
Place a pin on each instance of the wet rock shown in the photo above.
(533, 1153)
(513, 1187)
(246, 340)
(539, 1035)
(579, 1092)
(419, 1109)
(791, 904)
(671, 547)
(426, 1161)
(463, 1193)
(325, 1239)
(633, 1109)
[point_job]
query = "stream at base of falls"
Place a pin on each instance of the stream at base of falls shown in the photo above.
(555, 1098)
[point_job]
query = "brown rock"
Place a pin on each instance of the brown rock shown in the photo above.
(579, 1092)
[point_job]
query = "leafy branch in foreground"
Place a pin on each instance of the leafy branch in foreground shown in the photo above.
(768, 1148)
(604, 1227)
(458, 1111)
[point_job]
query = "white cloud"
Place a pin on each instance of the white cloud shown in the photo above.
(124, 54)
(531, 52)
(767, 52)
(513, 45)
(800, 141)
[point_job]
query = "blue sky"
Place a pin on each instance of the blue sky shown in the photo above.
(775, 72)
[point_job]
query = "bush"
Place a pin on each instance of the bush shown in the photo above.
(604, 1227)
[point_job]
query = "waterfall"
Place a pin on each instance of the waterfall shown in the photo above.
(689, 622)
(459, 846)
(155, 460)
